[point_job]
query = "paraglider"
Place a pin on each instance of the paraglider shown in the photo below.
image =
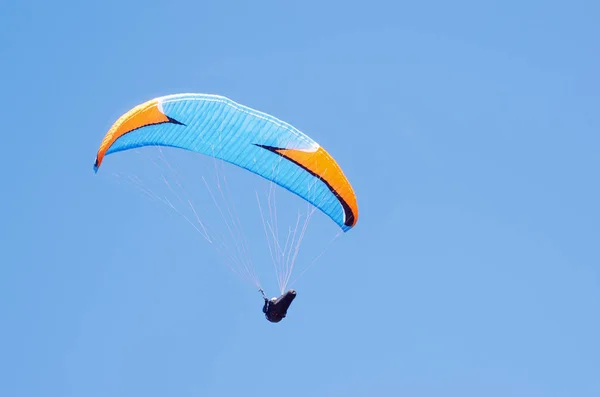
(218, 127)
(276, 309)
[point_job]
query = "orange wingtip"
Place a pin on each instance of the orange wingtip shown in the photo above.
(140, 116)
(321, 164)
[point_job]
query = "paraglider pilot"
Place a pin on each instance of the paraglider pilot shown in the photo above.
(276, 309)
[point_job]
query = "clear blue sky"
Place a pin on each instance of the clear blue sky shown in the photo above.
(470, 133)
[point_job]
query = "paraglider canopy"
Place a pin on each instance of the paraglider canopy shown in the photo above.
(217, 126)
(228, 132)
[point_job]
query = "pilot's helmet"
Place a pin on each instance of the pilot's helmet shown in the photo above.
(273, 299)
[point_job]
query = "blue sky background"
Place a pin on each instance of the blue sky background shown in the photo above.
(468, 130)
